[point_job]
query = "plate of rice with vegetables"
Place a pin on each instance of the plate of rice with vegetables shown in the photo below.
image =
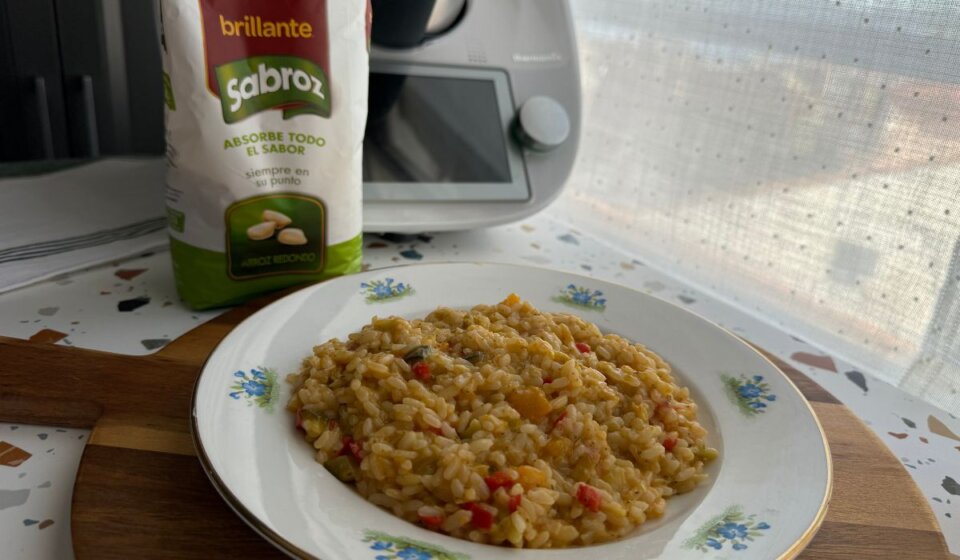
(472, 410)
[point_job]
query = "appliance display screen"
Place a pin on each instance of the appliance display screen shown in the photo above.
(424, 129)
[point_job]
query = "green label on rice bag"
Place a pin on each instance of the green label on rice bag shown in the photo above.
(168, 93)
(202, 280)
(258, 83)
(275, 234)
(175, 219)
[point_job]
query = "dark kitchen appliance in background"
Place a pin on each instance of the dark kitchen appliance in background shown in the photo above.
(474, 106)
(79, 79)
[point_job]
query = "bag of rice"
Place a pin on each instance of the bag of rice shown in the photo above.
(266, 102)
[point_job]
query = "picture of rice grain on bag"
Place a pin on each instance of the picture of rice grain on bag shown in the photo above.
(281, 220)
(274, 221)
(292, 236)
(261, 231)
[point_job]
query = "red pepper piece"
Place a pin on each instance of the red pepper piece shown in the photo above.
(356, 450)
(669, 443)
(351, 448)
(514, 502)
(498, 479)
(421, 370)
(437, 431)
(559, 419)
(583, 347)
(547, 380)
(589, 497)
(431, 521)
(299, 421)
(481, 518)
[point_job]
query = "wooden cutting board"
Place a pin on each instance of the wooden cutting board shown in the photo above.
(140, 491)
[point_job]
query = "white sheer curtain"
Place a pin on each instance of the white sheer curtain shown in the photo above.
(801, 159)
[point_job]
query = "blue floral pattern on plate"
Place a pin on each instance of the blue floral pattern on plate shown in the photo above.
(388, 547)
(257, 387)
(582, 297)
(381, 290)
(731, 527)
(751, 394)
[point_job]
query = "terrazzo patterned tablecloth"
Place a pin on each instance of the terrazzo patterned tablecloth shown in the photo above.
(132, 307)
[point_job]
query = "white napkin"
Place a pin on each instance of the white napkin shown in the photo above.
(81, 217)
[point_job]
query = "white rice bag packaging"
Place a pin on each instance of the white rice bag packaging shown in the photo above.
(266, 102)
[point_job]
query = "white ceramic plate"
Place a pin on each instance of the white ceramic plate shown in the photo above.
(766, 496)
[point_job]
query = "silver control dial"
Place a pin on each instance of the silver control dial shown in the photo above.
(542, 124)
